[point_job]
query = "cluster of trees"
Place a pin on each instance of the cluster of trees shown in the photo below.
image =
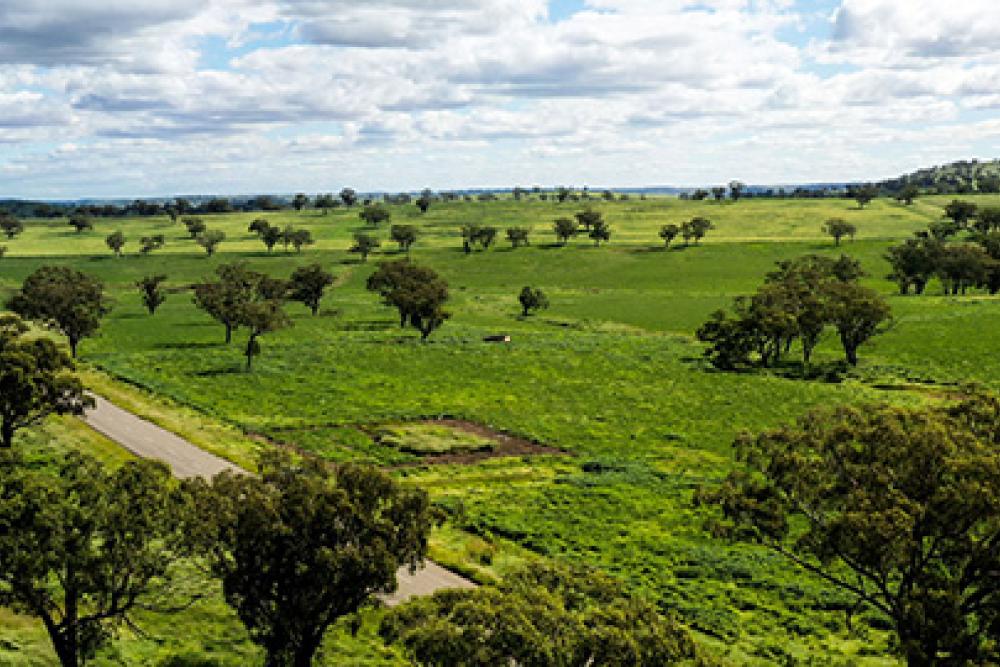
(588, 221)
(296, 547)
(695, 228)
(796, 303)
(270, 235)
(898, 508)
(960, 265)
(964, 177)
(241, 298)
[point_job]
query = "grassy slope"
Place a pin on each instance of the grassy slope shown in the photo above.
(609, 373)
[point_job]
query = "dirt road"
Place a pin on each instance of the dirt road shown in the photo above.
(147, 440)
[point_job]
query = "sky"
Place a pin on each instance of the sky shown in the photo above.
(128, 98)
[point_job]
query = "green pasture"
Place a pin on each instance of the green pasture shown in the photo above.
(610, 375)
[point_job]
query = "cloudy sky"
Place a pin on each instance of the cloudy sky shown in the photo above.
(159, 97)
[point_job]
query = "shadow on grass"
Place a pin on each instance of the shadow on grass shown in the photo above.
(238, 369)
(368, 325)
(188, 346)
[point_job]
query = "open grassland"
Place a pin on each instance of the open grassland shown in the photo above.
(610, 375)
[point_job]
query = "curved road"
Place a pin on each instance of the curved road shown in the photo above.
(147, 440)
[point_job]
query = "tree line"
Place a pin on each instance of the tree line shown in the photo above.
(962, 251)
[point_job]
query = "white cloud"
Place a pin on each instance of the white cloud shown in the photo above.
(405, 93)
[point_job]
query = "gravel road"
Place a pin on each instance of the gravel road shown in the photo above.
(147, 440)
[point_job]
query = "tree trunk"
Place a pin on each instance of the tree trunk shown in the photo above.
(305, 652)
(315, 309)
(73, 342)
(229, 333)
(6, 435)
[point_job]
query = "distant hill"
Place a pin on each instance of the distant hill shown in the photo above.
(963, 177)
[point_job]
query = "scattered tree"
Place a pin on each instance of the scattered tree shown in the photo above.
(300, 201)
(81, 222)
(908, 194)
(10, 225)
(719, 193)
(589, 218)
(64, 299)
(374, 214)
(668, 233)
(308, 284)
(565, 229)
(424, 202)
(258, 226)
(599, 231)
(364, 244)
(349, 197)
(518, 236)
(152, 292)
(297, 238)
(116, 242)
(696, 228)
(736, 189)
(210, 240)
(404, 235)
(224, 299)
(195, 226)
(148, 244)
(325, 202)
(837, 228)
(532, 299)
(862, 194)
(261, 317)
(417, 293)
(270, 236)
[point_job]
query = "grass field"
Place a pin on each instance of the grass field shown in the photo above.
(610, 374)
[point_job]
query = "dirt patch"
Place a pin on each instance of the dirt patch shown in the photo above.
(505, 445)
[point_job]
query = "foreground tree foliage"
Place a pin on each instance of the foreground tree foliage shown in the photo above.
(416, 292)
(544, 616)
(63, 299)
(36, 380)
(83, 548)
(301, 546)
(899, 507)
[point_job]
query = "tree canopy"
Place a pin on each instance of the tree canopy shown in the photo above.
(543, 615)
(301, 545)
(82, 548)
(416, 292)
(899, 507)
